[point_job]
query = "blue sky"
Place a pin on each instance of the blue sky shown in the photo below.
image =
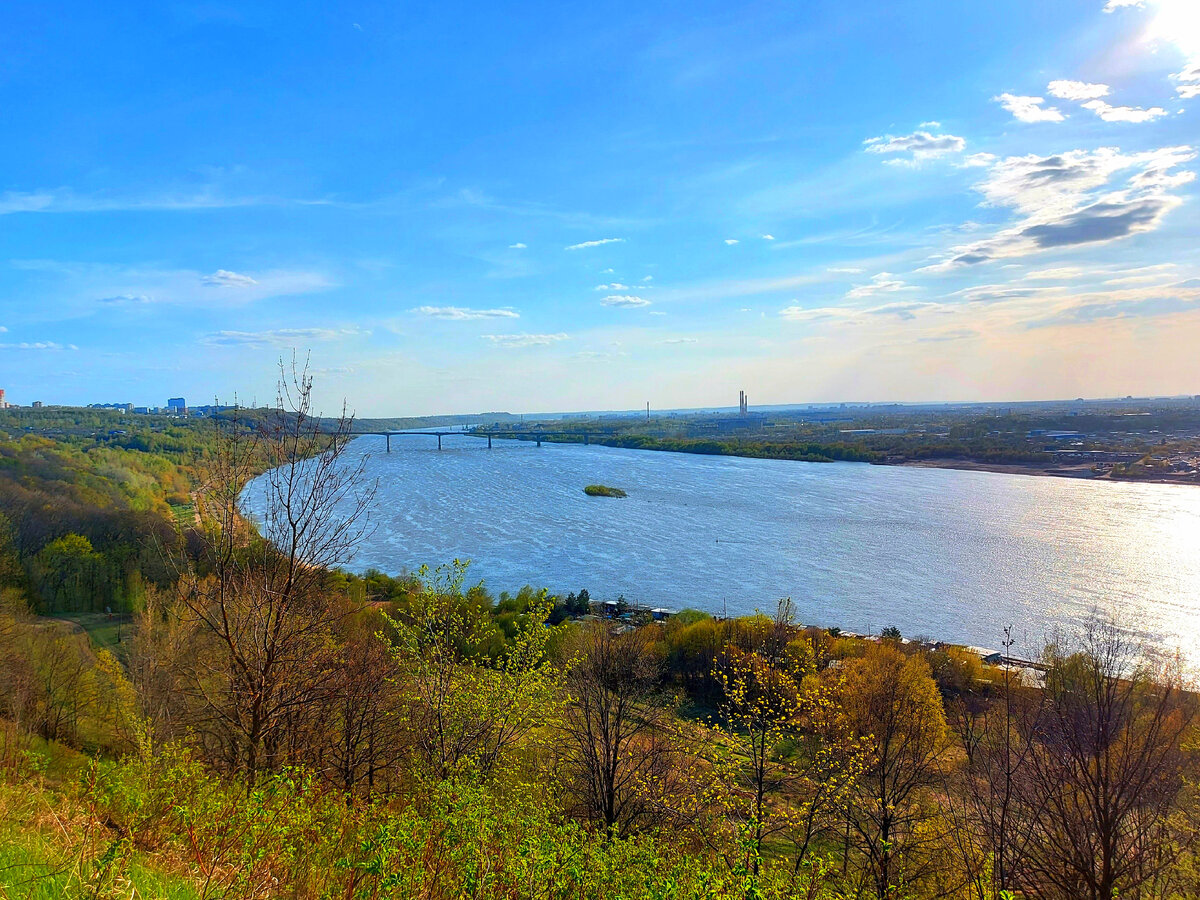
(551, 206)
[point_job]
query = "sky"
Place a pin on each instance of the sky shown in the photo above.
(551, 206)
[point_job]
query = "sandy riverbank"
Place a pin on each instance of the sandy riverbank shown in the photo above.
(1081, 471)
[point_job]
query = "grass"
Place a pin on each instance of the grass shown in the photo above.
(105, 632)
(603, 490)
(52, 847)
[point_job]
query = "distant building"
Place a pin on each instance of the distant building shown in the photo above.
(37, 404)
(177, 405)
(3, 404)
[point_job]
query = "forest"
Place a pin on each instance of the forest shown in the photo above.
(268, 724)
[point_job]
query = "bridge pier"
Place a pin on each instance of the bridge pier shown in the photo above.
(389, 442)
(585, 438)
(489, 442)
(439, 442)
(539, 442)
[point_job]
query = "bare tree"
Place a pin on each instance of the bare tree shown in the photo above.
(259, 599)
(1106, 771)
(614, 743)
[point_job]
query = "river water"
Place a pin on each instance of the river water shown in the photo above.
(949, 554)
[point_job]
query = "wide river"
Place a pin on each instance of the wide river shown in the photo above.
(954, 555)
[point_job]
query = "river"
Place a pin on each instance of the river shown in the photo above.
(954, 555)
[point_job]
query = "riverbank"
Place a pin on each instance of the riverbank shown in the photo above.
(1083, 471)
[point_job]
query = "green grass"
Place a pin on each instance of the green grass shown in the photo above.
(603, 490)
(185, 514)
(103, 632)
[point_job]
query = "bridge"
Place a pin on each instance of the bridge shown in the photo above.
(537, 436)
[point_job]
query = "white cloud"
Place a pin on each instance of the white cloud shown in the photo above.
(1190, 76)
(1124, 113)
(624, 301)
(978, 160)
(647, 279)
(680, 340)
(122, 299)
(517, 246)
(279, 337)
(3, 329)
(38, 345)
(598, 243)
(844, 270)
(930, 124)
(920, 144)
(513, 341)
(1114, 5)
(1029, 109)
(225, 278)
(882, 283)
(731, 241)
(463, 314)
(768, 237)
(1077, 90)
(615, 286)
(1063, 273)
(1066, 200)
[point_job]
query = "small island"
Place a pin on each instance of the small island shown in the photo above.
(603, 490)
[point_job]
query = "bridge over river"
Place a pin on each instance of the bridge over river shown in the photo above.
(538, 436)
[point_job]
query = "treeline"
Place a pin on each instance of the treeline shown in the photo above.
(86, 528)
(803, 451)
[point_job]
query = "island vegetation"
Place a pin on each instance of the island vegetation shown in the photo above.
(191, 708)
(603, 490)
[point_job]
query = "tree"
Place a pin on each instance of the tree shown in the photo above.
(1106, 770)
(613, 728)
(792, 762)
(892, 703)
(257, 599)
(466, 710)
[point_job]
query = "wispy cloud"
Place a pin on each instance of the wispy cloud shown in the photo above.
(731, 241)
(584, 245)
(615, 286)
(279, 337)
(122, 299)
(919, 145)
(883, 283)
(225, 278)
(1029, 109)
(768, 237)
(1077, 90)
(463, 314)
(1114, 5)
(37, 345)
(67, 201)
(525, 340)
(680, 340)
(517, 246)
(625, 301)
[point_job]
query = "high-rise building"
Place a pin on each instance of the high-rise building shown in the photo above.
(743, 403)
(177, 405)
(2, 403)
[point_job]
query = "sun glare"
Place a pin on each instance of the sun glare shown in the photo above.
(1177, 22)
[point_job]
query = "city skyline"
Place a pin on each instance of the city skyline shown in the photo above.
(547, 209)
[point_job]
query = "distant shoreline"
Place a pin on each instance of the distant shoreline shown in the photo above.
(1080, 473)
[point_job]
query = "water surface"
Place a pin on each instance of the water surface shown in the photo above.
(951, 554)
